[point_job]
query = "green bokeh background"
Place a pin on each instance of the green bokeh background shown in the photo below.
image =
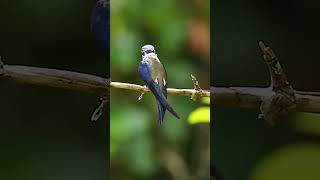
(45, 133)
(244, 147)
(140, 149)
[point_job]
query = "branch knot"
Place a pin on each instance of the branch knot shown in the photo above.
(283, 99)
(197, 93)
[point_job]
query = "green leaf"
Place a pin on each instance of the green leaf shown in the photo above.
(206, 100)
(200, 115)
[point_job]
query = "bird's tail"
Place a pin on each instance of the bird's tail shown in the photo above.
(161, 112)
(162, 99)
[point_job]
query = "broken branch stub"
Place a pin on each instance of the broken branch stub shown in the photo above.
(283, 99)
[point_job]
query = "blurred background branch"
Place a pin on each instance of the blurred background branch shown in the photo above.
(252, 97)
(55, 78)
(274, 101)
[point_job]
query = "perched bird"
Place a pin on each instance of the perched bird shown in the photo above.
(155, 78)
(100, 25)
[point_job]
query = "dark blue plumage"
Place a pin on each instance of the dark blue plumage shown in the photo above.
(100, 25)
(154, 76)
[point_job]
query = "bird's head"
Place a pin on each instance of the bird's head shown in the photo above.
(146, 49)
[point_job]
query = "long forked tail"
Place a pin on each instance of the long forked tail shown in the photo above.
(160, 97)
(161, 112)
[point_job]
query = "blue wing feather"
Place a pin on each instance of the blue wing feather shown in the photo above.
(144, 72)
(158, 92)
(161, 112)
(100, 25)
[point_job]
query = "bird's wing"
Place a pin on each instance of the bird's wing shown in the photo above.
(147, 76)
(100, 24)
(161, 112)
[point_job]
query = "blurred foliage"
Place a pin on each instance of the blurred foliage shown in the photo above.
(139, 147)
(201, 114)
(294, 162)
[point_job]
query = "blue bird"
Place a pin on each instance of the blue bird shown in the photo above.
(155, 78)
(100, 25)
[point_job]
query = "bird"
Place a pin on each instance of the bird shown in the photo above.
(100, 26)
(154, 76)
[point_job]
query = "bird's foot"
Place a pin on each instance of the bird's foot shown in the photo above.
(141, 95)
(99, 110)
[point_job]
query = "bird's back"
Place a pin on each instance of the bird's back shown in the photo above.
(157, 71)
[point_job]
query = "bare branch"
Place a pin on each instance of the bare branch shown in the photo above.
(272, 101)
(56, 78)
(252, 97)
(78, 81)
(173, 91)
(278, 77)
(197, 95)
(283, 98)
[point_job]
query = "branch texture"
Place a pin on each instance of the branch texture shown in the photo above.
(273, 101)
(252, 97)
(173, 91)
(79, 81)
(56, 78)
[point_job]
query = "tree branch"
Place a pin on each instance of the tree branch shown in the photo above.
(55, 78)
(272, 101)
(173, 91)
(79, 81)
(252, 97)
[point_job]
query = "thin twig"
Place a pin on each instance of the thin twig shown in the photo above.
(173, 91)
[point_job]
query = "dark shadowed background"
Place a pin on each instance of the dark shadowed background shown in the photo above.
(45, 133)
(244, 147)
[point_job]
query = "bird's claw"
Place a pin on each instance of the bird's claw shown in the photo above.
(141, 95)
